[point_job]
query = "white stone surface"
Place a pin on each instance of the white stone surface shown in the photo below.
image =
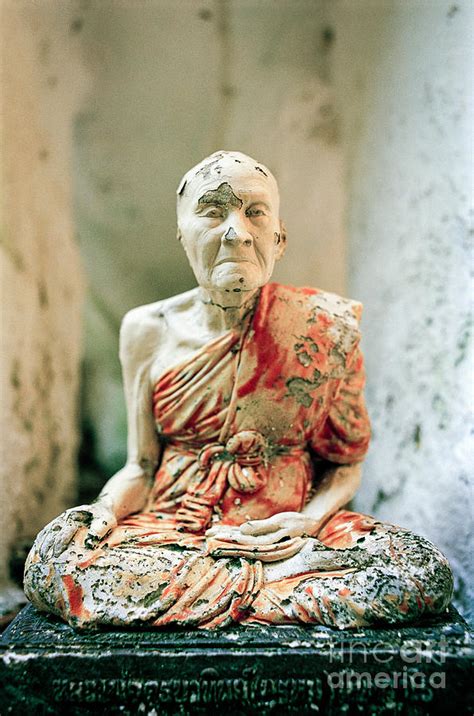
(410, 186)
(40, 269)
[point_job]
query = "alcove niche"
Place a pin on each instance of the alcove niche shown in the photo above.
(362, 112)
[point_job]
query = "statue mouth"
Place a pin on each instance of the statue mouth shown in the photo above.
(234, 260)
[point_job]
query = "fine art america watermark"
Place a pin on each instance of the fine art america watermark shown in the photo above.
(401, 666)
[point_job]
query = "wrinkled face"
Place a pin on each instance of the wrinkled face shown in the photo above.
(230, 230)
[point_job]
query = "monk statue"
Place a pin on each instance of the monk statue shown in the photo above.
(246, 433)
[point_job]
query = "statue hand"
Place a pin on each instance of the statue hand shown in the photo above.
(58, 534)
(283, 524)
(270, 540)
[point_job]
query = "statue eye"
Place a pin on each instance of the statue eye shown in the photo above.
(254, 212)
(214, 213)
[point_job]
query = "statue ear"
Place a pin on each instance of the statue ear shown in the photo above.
(182, 186)
(281, 240)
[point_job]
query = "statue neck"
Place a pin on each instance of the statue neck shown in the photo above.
(223, 310)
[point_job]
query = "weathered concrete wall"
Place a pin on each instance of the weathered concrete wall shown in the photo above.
(40, 268)
(408, 116)
(173, 83)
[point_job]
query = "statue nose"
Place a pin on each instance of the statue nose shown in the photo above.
(232, 236)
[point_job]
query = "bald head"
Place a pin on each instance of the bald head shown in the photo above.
(232, 169)
(229, 222)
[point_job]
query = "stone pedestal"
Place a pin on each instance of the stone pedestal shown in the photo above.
(48, 668)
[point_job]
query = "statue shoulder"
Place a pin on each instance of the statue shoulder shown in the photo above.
(345, 310)
(144, 328)
(344, 315)
(314, 312)
(314, 300)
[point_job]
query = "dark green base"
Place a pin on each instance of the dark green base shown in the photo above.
(48, 668)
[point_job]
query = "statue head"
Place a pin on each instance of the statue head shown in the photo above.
(229, 223)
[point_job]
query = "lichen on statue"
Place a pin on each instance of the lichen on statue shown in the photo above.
(246, 432)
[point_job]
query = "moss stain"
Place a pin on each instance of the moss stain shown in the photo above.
(300, 388)
(43, 295)
(463, 341)
(15, 381)
(417, 436)
(222, 196)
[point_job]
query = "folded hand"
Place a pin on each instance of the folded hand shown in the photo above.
(58, 534)
(272, 539)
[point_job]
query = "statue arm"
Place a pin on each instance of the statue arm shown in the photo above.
(127, 491)
(342, 440)
(336, 488)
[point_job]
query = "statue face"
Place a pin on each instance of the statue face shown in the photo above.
(230, 228)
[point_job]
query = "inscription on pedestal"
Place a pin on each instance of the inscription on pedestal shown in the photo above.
(48, 668)
(251, 690)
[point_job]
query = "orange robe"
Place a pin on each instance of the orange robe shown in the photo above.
(243, 422)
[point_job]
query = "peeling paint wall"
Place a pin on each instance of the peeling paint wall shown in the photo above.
(409, 142)
(40, 268)
(169, 88)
